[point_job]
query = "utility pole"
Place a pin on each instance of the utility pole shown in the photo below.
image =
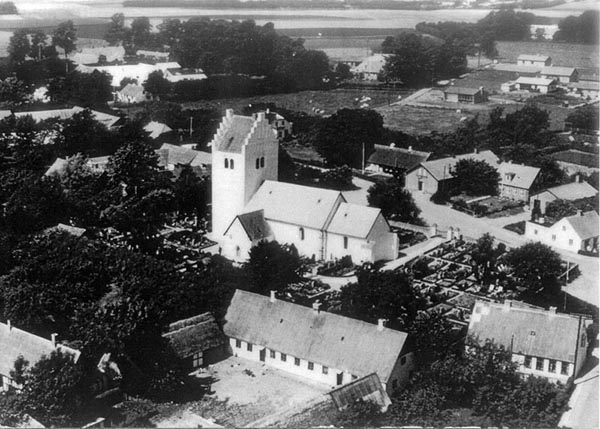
(363, 158)
(191, 122)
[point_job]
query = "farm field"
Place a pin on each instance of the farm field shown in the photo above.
(420, 120)
(563, 54)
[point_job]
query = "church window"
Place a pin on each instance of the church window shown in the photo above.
(257, 164)
(262, 162)
(345, 242)
(226, 163)
(301, 233)
(231, 164)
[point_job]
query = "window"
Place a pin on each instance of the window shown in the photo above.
(527, 363)
(402, 360)
(226, 163)
(564, 368)
(197, 360)
(570, 242)
(272, 354)
(535, 231)
(237, 251)
(257, 164)
(583, 341)
(311, 366)
(238, 344)
(297, 361)
(564, 228)
(231, 164)
(301, 233)
(552, 365)
(283, 357)
(345, 242)
(249, 347)
(539, 364)
(553, 237)
(325, 370)
(262, 162)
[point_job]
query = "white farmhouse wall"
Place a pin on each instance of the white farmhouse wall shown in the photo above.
(554, 376)
(429, 183)
(560, 235)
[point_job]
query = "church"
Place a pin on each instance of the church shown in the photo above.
(249, 204)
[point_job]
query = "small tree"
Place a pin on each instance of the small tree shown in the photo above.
(558, 209)
(475, 178)
(18, 46)
(272, 266)
(156, 84)
(394, 201)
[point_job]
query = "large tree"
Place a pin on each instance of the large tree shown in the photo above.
(348, 136)
(18, 46)
(475, 178)
(65, 36)
(536, 266)
(579, 29)
(272, 266)
(394, 201)
(116, 31)
(585, 118)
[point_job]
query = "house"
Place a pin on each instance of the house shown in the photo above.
(171, 156)
(575, 233)
(569, 192)
(62, 114)
(152, 55)
(282, 126)
(132, 94)
(429, 176)
(546, 31)
(156, 129)
(371, 67)
(138, 71)
(395, 160)
(319, 222)
(17, 342)
(98, 164)
(543, 343)
(458, 94)
(535, 84)
(313, 344)
(577, 161)
(516, 181)
(198, 340)
(177, 74)
(560, 74)
(368, 388)
(534, 60)
(521, 70)
(585, 89)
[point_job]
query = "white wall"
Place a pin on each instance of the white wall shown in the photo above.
(562, 230)
(227, 191)
(290, 234)
(236, 244)
(555, 376)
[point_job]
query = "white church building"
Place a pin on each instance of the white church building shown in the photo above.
(249, 204)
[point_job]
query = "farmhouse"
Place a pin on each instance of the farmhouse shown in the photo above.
(320, 346)
(535, 84)
(560, 74)
(249, 205)
(516, 180)
(371, 67)
(395, 160)
(198, 340)
(177, 74)
(569, 192)
(430, 176)
(521, 70)
(534, 60)
(457, 94)
(585, 89)
(131, 94)
(531, 334)
(16, 342)
(62, 114)
(575, 233)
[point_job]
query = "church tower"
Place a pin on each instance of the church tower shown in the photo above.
(244, 154)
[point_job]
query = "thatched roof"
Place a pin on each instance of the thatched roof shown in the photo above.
(195, 334)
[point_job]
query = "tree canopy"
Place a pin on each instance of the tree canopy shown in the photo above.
(273, 266)
(579, 29)
(475, 178)
(536, 266)
(394, 201)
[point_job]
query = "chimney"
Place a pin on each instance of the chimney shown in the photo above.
(9, 325)
(552, 310)
(380, 323)
(260, 116)
(392, 144)
(541, 220)
(579, 213)
(316, 306)
(507, 305)
(577, 178)
(272, 298)
(410, 148)
(476, 150)
(229, 113)
(53, 339)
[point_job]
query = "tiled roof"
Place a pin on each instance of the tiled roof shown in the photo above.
(585, 225)
(177, 155)
(441, 169)
(255, 225)
(324, 338)
(533, 57)
(578, 157)
(526, 331)
(353, 220)
(132, 90)
(366, 388)
(397, 157)
(62, 114)
(573, 191)
(516, 68)
(517, 175)
(585, 85)
(534, 81)
(195, 334)
(15, 342)
(294, 204)
(461, 90)
(558, 71)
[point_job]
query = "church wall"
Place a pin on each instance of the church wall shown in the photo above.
(288, 233)
(227, 190)
(386, 242)
(236, 244)
(357, 248)
(261, 144)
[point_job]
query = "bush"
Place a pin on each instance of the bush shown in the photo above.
(440, 197)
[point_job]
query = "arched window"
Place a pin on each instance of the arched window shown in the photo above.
(231, 164)
(226, 163)
(345, 242)
(301, 233)
(257, 161)
(262, 162)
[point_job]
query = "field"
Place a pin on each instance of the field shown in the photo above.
(563, 54)
(419, 120)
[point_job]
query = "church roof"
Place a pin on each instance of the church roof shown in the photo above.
(294, 204)
(353, 220)
(254, 224)
(323, 338)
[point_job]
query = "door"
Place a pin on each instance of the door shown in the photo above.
(420, 185)
(262, 355)
(340, 378)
